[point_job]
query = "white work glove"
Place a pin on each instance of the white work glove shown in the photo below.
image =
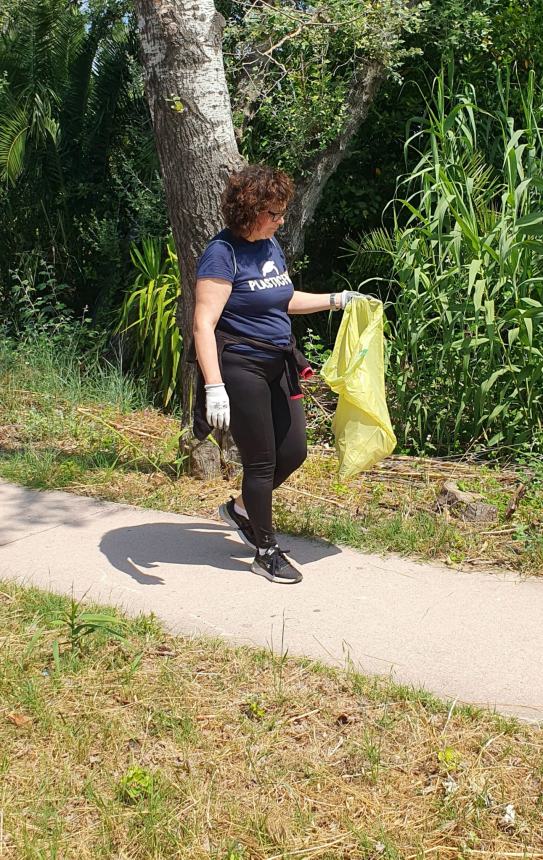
(217, 406)
(348, 295)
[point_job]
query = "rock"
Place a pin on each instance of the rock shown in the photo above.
(204, 459)
(207, 460)
(465, 505)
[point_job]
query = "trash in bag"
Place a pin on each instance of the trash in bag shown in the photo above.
(356, 372)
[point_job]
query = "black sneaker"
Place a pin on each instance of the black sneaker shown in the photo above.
(230, 516)
(275, 566)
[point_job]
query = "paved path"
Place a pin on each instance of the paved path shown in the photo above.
(474, 637)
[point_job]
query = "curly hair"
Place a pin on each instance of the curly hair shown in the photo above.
(249, 191)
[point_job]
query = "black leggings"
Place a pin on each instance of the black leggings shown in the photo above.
(268, 429)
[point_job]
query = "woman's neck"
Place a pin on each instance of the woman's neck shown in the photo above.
(252, 237)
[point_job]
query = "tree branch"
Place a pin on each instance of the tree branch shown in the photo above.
(362, 92)
(251, 89)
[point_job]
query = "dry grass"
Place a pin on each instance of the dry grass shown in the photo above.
(100, 451)
(243, 754)
(397, 498)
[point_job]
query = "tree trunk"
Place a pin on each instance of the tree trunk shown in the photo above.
(185, 84)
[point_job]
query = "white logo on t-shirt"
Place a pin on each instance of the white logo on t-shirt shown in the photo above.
(268, 268)
(267, 282)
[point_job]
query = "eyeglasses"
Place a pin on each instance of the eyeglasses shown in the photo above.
(276, 216)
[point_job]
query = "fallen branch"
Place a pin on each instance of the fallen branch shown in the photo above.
(498, 532)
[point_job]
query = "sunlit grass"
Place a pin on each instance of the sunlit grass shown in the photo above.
(154, 746)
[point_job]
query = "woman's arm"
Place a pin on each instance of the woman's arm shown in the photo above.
(309, 303)
(211, 297)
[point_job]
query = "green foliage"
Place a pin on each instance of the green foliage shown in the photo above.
(479, 36)
(234, 851)
(149, 312)
(37, 315)
(34, 299)
(449, 759)
(77, 158)
(254, 709)
(136, 785)
(291, 66)
(315, 349)
(76, 624)
(66, 365)
(466, 257)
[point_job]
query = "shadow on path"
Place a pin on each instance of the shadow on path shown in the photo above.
(134, 549)
(25, 510)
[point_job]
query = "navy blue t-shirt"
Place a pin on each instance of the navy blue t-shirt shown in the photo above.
(261, 288)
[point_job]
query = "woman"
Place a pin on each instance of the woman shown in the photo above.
(244, 347)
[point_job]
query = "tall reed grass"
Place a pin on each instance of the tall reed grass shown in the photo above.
(58, 367)
(465, 317)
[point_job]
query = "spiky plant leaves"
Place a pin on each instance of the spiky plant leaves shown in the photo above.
(13, 136)
(109, 88)
(149, 312)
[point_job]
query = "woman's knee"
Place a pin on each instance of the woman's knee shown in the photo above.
(259, 471)
(291, 459)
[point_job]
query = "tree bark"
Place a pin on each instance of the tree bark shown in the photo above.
(181, 42)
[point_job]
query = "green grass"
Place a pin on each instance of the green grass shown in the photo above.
(154, 746)
(58, 369)
(398, 533)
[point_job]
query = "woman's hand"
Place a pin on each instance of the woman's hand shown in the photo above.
(309, 303)
(348, 295)
(217, 406)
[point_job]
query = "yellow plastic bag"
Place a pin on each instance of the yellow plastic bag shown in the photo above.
(355, 371)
